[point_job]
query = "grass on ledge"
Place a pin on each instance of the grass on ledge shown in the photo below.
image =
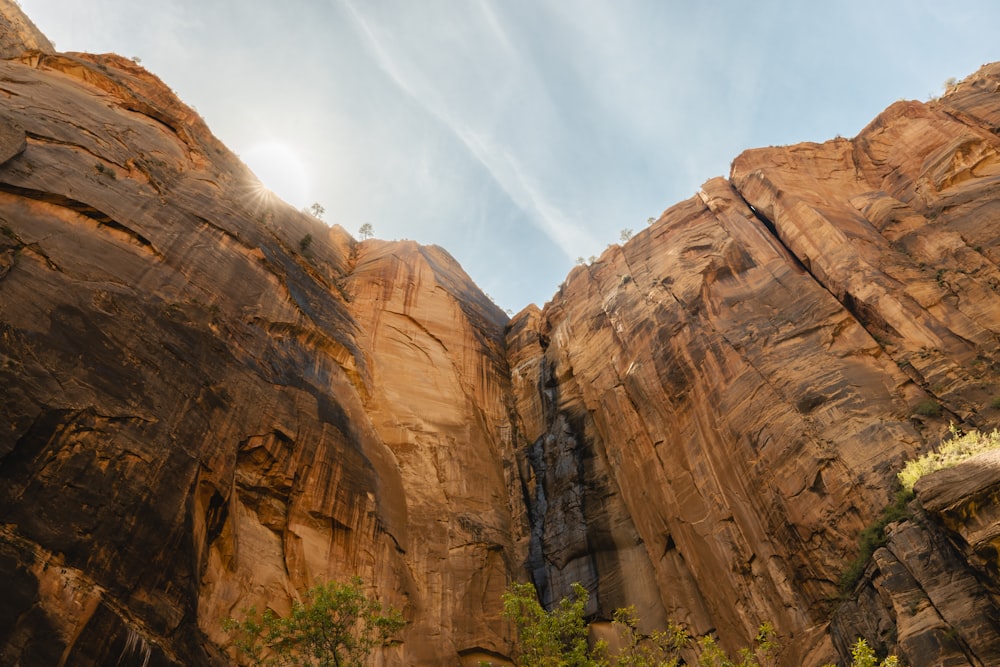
(959, 447)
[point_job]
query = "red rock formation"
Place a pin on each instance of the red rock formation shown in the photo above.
(18, 33)
(752, 369)
(202, 412)
(737, 406)
(931, 592)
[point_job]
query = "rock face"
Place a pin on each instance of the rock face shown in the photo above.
(213, 401)
(752, 369)
(204, 411)
(931, 592)
(18, 33)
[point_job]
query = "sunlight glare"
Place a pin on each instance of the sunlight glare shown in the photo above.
(280, 170)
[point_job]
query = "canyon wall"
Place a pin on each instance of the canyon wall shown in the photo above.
(753, 369)
(213, 401)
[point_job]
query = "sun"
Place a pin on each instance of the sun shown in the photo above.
(280, 170)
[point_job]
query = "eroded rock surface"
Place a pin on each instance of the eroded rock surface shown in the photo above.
(202, 413)
(17, 33)
(752, 370)
(931, 593)
(203, 410)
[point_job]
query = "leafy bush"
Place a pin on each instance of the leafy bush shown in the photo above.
(763, 654)
(873, 536)
(558, 638)
(955, 449)
(659, 649)
(928, 408)
(338, 624)
(863, 656)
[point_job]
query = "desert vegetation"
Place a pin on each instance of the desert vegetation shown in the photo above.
(873, 537)
(559, 637)
(336, 625)
(958, 447)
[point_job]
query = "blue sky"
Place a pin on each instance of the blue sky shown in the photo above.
(522, 134)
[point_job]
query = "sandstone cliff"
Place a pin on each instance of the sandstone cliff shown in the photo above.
(202, 411)
(931, 594)
(752, 370)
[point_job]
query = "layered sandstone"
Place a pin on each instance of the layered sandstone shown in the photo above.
(204, 411)
(17, 32)
(752, 369)
(931, 592)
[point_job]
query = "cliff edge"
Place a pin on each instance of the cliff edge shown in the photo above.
(213, 401)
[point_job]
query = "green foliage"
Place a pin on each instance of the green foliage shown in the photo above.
(366, 231)
(337, 625)
(955, 449)
(995, 403)
(711, 654)
(556, 638)
(625, 234)
(928, 408)
(873, 537)
(764, 653)
(305, 243)
(863, 656)
(659, 649)
(317, 210)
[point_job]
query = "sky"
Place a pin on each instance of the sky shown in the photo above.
(521, 135)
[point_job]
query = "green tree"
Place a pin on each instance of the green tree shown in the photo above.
(764, 652)
(317, 210)
(659, 649)
(337, 625)
(366, 231)
(625, 234)
(862, 655)
(556, 638)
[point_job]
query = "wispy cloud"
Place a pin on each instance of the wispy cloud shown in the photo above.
(501, 161)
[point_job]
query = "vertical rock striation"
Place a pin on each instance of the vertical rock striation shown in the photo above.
(747, 421)
(931, 592)
(202, 411)
(751, 371)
